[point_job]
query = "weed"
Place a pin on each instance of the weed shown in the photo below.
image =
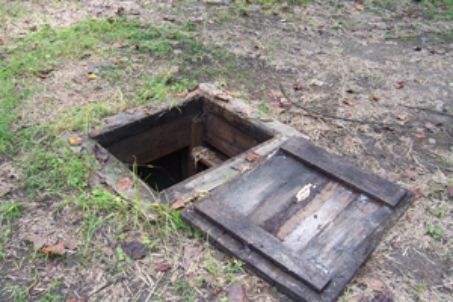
(5, 232)
(435, 231)
(10, 211)
(16, 293)
(212, 265)
(263, 109)
(184, 288)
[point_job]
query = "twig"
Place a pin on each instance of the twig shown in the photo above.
(428, 110)
(318, 114)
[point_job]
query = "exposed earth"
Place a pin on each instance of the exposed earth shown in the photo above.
(65, 65)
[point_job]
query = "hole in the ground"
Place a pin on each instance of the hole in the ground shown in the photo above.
(174, 144)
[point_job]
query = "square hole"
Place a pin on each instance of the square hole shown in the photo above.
(166, 147)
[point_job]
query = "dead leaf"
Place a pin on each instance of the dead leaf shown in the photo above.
(43, 74)
(191, 255)
(162, 267)
(400, 84)
(134, 249)
(92, 76)
(284, 103)
(54, 250)
(124, 184)
(450, 191)
(101, 154)
(74, 140)
(420, 133)
(252, 156)
(223, 97)
(401, 117)
(236, 292)
(348, 102)
(297, 86)
(359, 7)
(178, 203)
(373, 98)
(120, 11)
(120, 44)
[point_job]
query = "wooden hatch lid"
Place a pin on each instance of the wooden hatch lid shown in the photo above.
(304, 219)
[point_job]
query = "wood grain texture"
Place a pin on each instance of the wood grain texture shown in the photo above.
(316, 216)
(264, 242)
(337, 167)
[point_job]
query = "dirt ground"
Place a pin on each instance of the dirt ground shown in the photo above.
(380, 62)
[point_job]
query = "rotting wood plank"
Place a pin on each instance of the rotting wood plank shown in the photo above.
(207, 156)
(318, 217)
(226, 138)
(337, 167)
(239, 226)
(196, 139)
(154, 143)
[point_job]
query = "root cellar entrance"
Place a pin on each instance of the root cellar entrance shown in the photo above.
(171, 145)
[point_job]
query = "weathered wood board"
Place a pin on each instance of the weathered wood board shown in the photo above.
(304, 219)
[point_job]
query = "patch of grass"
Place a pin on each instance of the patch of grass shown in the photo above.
(263, 110)
(212, 265)
(185, 289)
(10, 211)
(5, 233)
(16, 293)
(435, 231)
(156, 88)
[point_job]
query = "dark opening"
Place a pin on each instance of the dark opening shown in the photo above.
(172, 145)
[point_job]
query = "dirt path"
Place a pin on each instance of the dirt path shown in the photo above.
(366, 62)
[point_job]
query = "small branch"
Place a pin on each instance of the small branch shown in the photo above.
(428, 110)
(318, 114)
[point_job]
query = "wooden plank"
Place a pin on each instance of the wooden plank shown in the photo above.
(207, 157)
(282, 280)
(264, 242)
(347, 232)
(154, 143)
(318, 217)
(196, 139)
(260, 184)
(337, 167)
(281, 202)
(226, 138)
(309, 209)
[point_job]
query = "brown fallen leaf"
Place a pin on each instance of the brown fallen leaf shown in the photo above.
(223, 97)
(44, 74)
(54, 250)
(178, 203)
(162, 267)
(418, 193)
(359, 7)
(420, 133)
(373, 98)
(134, 249)
(252, 156)
(297, 86)
(236, 292)
(348, 102)
(74, 140)
(400, 84)
(124, 184)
